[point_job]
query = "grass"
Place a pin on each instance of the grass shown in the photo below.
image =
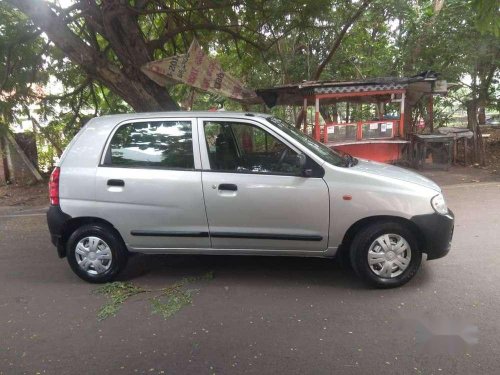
(165, 301)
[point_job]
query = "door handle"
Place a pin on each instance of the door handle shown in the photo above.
(230, 187)
(116, 183)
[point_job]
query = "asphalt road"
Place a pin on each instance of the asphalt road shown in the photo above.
(257, 315)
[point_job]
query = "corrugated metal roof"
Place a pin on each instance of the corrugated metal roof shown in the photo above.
(294, 93)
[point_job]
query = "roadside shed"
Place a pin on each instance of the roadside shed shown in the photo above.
(367, 118)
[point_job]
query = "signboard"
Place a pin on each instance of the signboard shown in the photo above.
(198, 70)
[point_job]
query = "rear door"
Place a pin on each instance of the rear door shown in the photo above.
(149, 185)
(255, 195)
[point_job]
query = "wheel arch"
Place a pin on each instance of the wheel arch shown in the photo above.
(362, 223)
(73, 224)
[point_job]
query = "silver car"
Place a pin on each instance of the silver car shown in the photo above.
(239, 184)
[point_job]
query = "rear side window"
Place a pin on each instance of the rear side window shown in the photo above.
(160, 144)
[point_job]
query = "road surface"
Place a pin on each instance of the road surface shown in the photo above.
(257, 315)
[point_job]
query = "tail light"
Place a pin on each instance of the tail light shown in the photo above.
(54, 186)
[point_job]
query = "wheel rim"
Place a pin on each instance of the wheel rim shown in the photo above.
(93, 255)
(389, 255)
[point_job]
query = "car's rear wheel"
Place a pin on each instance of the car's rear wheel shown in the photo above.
(385, 255)
(96, 253)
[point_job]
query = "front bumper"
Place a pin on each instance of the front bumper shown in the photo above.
(56, 220)
(437, 231)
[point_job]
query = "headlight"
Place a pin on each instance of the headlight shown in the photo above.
(439, 204)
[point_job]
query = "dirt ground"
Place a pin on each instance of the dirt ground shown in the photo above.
(34, 195)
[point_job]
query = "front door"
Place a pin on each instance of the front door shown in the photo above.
(149, 185)
(255, 196)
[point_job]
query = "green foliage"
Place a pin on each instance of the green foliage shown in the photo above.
(117, 293)
(165, 301)
(488, 16)
(168, 305)
(262, 42)
(172, 299)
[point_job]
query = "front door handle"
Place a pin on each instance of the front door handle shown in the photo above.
(116, 183)
(229, 187)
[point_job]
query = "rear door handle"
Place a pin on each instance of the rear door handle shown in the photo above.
(230, 187)
(116, 183)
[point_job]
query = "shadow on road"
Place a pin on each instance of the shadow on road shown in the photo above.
(253, 270)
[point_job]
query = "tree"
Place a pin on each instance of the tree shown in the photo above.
(111, 40)
(96, 48)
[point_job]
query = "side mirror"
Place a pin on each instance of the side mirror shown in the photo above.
(307, 172)
(301, 163)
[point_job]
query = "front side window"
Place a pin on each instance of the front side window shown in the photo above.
(324, 152)
(161, 144)
(243, 147)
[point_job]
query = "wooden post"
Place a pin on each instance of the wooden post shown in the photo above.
(317, 133)
(431, 113)
(305, 114)
(359, 130)
(402, 116)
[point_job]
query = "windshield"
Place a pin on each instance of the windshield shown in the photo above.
(319, 149)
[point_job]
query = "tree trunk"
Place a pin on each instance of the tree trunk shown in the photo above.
(3, 155)
(299, 120)
(127, 80)
(481, 115)
(47, 136)
(472, 124)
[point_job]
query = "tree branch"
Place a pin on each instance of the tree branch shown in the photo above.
(142, 11)
(338, 40)
(208, 26)
(77, 90)
(138, 90)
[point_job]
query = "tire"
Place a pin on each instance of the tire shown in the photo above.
(399, 260)
(96, 253)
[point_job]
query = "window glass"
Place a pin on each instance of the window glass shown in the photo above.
(341, 132)
(377, 130)
(162, 144)
(314, 146)
(246, 148)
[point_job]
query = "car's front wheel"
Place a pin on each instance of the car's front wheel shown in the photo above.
(386, 254)
(96, 253)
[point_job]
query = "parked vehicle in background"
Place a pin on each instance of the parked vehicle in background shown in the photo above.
(493, 120)
(236, 183)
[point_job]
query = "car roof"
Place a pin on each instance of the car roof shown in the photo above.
(108, 122)
(221, 114)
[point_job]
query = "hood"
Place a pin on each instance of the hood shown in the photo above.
(398, 173)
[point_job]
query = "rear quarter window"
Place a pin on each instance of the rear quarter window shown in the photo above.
(157, 144)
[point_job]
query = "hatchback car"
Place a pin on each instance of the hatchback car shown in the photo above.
(239, 184)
